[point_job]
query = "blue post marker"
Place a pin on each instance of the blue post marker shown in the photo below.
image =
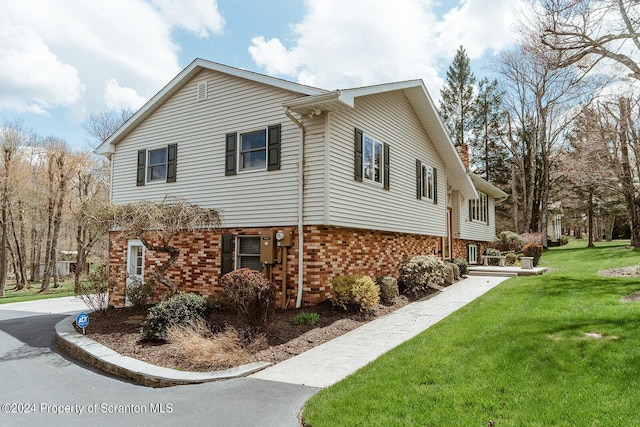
(82, 320)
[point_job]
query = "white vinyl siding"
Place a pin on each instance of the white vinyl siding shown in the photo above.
(469, 229)
(391, 119)
(265, 198)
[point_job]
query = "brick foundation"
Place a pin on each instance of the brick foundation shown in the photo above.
(329, 252)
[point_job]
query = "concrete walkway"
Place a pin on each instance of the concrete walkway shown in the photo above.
(332, 361)
(49, 305)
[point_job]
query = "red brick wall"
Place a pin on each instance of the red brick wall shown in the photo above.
(329, 252)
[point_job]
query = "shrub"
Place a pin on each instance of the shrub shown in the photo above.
(533, 250)
(201, 349)
(355, 292)
(510, 258)
(137, 292)
(305, 318)
(531, 238)
(421, 272)
(462, 265)
(456, 269)
(449, 275)
(178, 310)
(95, 293)
(252, 295)
(388, 289)
(509, 241)
(493, 252)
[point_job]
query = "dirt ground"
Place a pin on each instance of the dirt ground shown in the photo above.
(119, 329)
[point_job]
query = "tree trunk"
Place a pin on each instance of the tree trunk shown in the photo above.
(3, 249)
(590, 244)
(159, 274)
(21, 271)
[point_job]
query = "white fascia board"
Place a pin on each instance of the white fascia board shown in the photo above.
(486, 187)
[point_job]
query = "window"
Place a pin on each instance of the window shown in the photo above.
(371, 160)
(257, 150)
(426, 182)
(253, 150)
(472, 254)
(479, 208)
(248, 252)
(157, 165)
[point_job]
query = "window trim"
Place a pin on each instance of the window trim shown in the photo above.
(381, 166)
(238, 255)
(240, 153)
(479, 209)
(148, 165)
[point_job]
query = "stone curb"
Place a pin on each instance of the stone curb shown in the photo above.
(102, 357)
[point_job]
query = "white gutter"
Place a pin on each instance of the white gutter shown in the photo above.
(300, 207)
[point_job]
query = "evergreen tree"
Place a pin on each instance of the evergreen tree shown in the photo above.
(489, 154)
(457, 98)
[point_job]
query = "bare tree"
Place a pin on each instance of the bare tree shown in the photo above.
(157, 224)
(90, 208)
(58, 182)
(542, 98)
(588, 32)
(100, 126)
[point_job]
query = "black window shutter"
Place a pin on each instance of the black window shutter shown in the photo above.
(386, 166)
(435, 186)
(273, 136)
(418, 179)
(142, 160)
(172, 162)
(470, 210)
(230, 154)
(227, 254)
(357, 172)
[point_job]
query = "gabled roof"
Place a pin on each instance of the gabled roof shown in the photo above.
(425, 109)
(108, 146)
(487, 187)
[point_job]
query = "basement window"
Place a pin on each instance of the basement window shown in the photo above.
(248, 252)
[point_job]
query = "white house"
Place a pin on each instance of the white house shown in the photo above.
(316, 183)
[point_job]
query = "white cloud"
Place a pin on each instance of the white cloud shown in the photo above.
(359, 42)
(32, 78)
(87, 55)
(196, 16)
(480, 28)
(117, 97)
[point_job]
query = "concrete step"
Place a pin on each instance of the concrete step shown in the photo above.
(492, 273)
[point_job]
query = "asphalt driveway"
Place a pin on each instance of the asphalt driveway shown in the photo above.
(41, 386)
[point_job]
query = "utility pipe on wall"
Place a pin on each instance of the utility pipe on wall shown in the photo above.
(300, 206)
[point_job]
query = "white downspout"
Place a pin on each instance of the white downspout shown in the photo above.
(300, 207)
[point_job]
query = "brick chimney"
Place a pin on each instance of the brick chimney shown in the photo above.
(463, 150)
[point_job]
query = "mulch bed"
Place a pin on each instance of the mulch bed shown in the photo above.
(119, 329)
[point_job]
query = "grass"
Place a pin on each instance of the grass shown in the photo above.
(33, 294)
(518, 356)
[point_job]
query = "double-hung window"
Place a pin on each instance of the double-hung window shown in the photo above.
(248, 252)
(372, 160)
(258, 150)
(479, 208)
(253, 150)
(426, 182)
(157, 165)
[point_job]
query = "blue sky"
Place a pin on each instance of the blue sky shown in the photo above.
(65, 59)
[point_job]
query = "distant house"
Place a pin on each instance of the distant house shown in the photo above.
(344, 181)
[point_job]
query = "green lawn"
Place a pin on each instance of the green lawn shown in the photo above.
(519, 356)
(34, 294)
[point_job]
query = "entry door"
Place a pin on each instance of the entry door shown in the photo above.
(135, 264)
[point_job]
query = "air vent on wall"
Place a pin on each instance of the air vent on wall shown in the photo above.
(202, 91)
